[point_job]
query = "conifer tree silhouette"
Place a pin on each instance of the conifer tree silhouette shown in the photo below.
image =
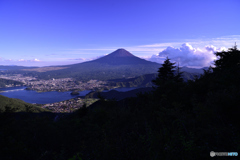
(227, 59)
(166, 73)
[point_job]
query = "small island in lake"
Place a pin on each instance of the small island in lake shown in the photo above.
(75, 93)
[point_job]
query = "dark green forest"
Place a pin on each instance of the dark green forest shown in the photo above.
(177, 120)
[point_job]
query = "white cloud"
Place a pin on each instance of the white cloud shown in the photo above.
(213, 49)
(220, 42)
(32, 60)
(35, 60)
(187, 55)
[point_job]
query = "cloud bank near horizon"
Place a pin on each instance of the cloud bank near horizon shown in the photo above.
(186, 55)
(25, 60)
(189, 56)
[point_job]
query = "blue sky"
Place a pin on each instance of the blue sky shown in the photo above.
(54, 32)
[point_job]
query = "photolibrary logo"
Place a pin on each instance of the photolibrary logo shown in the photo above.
(212, 153)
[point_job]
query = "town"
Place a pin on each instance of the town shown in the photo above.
(61, 85)
(64, 84)
(68, 106)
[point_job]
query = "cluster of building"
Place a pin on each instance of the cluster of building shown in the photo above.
(12, 85)
(68, 106)
(64, 84)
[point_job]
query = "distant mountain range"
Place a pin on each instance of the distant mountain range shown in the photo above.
(14, 67)
(116, 65)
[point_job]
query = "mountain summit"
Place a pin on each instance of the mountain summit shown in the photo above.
(121, 57)
(121, 53)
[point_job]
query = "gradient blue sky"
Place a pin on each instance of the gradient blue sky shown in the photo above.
(54, 32)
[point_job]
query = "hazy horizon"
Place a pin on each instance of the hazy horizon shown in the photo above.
(148, 59)
(49, 33)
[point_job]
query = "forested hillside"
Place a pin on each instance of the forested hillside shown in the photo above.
(178, 120)
(11, 105)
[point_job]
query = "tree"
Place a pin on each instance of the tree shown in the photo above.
(219, 86)
(227, 60)
(166, 73)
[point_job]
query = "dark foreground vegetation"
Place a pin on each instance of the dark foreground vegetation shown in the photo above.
(178, 120)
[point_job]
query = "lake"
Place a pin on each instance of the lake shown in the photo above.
(31, 96)
(39, 97)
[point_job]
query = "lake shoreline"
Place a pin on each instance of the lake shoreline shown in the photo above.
(35, 97)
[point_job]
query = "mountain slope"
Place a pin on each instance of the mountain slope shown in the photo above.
(16, 105)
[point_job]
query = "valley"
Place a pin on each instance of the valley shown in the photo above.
(117, 69)
(178, 115)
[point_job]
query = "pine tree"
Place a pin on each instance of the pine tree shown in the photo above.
(228, 60)
(166, 73)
